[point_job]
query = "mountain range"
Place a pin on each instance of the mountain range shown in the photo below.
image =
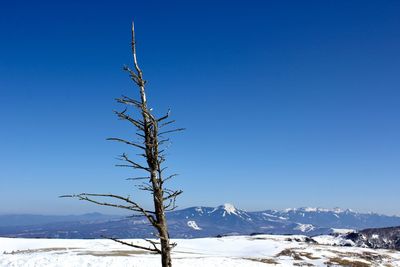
(196, 222)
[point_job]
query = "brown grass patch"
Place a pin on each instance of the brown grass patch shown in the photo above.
(303, 264)
(114, 253)
(296, 255)
(289, 253)
(309, 256)
(346, 262)
(39, 250)
(265, 260)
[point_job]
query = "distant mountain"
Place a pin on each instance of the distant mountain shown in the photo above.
(30, 219)
(202, 222)
(336, 218)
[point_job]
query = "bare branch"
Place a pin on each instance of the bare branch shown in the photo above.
(171, 131)
(155, 249)
(138, 70)
(154, 244)
(167, 123)
(129, 101)
(173, 194)
(141, 135)
(145, 187)
(133, 207)
(170, 177)
(163, 141)
(126, 142)
(138, 178)
(131, 164)
(123, 116)
(165, 117)
(133, 75)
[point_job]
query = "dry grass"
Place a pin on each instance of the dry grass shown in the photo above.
(265, 260)
(296, 255)
(371, 257)
(114, 253)
(39, 250)
(303, 264)
(309, 255)
(289, 253)
(346, 262)
(123, 253)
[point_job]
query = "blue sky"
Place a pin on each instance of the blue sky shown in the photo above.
(286, 103)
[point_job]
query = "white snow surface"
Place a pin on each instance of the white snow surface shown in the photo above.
(312, 209)
(304, 227)
(193, 224)
(342, 231)
(233, 251)
(229, 208)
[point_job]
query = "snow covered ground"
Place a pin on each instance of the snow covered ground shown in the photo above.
(260, 250)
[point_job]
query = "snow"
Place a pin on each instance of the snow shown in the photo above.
(304, 227)
(333, 241)
(229, 208)
(311, 209)
(342, 231)
(199, 210)
(233, 251)
(290, 209)
(193, 224)
(274, 216)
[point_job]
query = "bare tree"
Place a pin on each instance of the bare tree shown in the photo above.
(151, 133)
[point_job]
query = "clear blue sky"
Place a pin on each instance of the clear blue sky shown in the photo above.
(286, 103)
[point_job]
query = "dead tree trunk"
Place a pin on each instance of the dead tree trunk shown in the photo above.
(151, 138)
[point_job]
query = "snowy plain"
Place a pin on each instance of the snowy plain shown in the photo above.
(233, 251)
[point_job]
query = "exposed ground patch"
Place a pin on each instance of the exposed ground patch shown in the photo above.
(346, 262)
(265, 260)
(297, 255)
(39, 250)
(113, 253)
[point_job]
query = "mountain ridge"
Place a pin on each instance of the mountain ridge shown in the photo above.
(202, 221)
(305, 208)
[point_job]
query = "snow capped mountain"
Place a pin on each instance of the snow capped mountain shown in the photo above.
(336, 218)
(227, 208)
(319, 210)
(225, 219)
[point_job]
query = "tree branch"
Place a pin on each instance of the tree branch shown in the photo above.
(133, 46)
(155, 249)
(134, 206)
(126, 142)
(165, 117)
(133, 164)
(171, 131)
